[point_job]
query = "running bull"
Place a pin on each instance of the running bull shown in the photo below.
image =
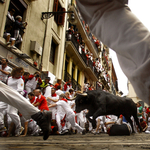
(101, 103)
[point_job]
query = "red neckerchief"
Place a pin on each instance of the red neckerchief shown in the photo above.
(64, 100)
(54, 95)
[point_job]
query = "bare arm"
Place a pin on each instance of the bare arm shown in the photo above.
(5, 72)
(37, 104)
(56, 100)
(52, 105)
(110, 123)
(145, 127)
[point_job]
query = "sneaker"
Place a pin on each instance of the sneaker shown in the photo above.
(64, 132)
(8, 43)
(13, 47)
(19, 132)
(43, 119)
(3, 129)
(84, 132)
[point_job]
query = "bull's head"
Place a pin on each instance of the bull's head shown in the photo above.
(81, 102)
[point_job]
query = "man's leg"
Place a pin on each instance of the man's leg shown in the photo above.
(114, 24)
(13, 98)
(13, 113)
(71, 119)
(58, 122)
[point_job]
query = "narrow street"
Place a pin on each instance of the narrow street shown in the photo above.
(78, 142)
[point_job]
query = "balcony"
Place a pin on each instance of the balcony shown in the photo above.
(81, 29)
(72, 47)
(75, 84)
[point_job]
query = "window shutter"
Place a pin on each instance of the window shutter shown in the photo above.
(61, 17)
(55, 7)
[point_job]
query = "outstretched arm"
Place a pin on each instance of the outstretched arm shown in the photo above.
(52, 105)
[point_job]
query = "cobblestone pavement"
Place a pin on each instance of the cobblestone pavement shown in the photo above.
(77, 142)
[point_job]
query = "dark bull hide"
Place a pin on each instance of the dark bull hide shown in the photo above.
(101, 103)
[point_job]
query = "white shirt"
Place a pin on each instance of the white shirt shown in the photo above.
(32, 83)
(48, 91)
(65, 106)
(16, 84)
(59, 92)
(3, 77)
(10, 17)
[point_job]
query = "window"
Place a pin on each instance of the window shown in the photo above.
(52, 52)
(73, 70)
(16, 8)
(59, 18)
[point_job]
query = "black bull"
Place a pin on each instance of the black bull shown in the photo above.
(101, 103)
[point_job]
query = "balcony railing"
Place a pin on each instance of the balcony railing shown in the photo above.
(88, 62)
(75, 84)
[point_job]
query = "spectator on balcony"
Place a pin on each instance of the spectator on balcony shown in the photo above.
(80, 49)
(91, 57)
(71, 29)
(87, 58)
(83, 46)
(18, 26)
(70, 32)
(79, 40)
(9, 27)
(76, 35)
(94, 60)
(57, 84)
(97, 43)
(87, 28)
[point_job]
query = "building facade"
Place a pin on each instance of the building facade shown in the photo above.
(133, 95)
(42, 39)
(48, 47)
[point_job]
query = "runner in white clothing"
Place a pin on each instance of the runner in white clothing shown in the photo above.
(70, 115)
(4, 72)
(12, 97)
(17, 84)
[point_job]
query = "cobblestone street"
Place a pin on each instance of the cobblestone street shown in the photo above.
(78, 142)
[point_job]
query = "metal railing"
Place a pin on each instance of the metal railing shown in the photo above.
(75, 84)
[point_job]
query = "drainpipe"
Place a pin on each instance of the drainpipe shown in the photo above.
(40, 68)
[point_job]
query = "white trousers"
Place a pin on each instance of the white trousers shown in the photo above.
(114, 24)
(13, 98)
(80, 119)
(71, 119)
(3, 107)
(58, 121)
(13, 113)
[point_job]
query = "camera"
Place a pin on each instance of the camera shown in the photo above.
(37, 76)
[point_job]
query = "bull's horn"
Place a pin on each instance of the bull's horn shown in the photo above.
(83, 94)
